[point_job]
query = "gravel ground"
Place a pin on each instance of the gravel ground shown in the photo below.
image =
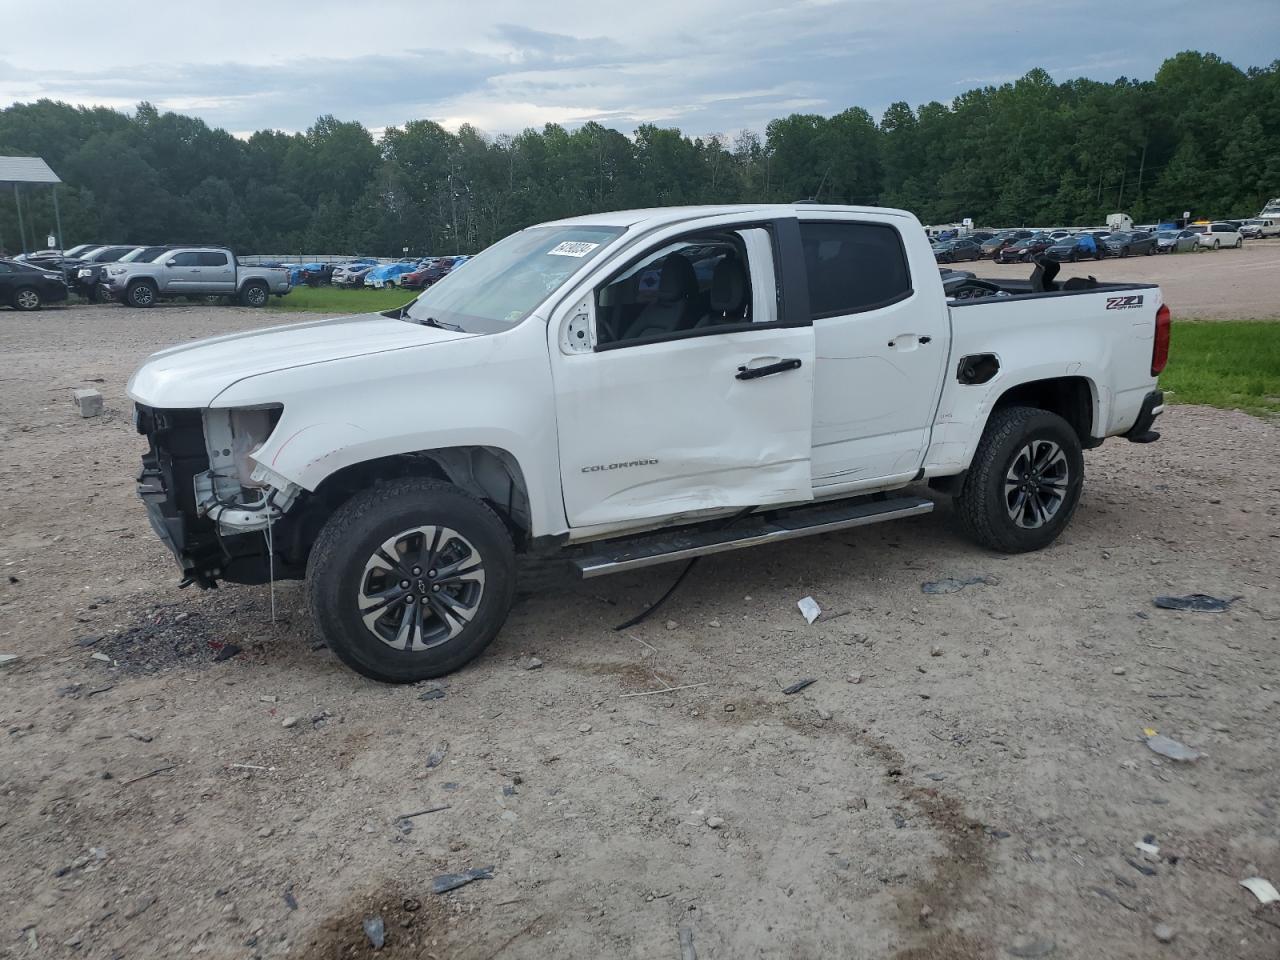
(966, 777)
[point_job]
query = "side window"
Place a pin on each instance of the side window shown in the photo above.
(211, 259)
(184, 260)
(698, 282)
(853, 267)
(4, 268)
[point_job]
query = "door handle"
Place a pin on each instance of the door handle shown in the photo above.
(754, 373)
(921, 341)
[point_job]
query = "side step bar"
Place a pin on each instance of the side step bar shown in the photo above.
(651, 549)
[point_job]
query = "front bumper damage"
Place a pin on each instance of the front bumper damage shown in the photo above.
(212, 536)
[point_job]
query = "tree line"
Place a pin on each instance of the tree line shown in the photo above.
(1202, 135)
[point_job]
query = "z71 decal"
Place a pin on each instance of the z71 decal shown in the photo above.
(1131, 302)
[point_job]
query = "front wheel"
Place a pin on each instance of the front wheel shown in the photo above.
(411, 580)
(141, 293)
(1239, 243)
(1024, 483)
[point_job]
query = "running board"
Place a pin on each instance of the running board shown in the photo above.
(651, 549)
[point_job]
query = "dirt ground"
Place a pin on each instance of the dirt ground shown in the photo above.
(1211, 284)
(977, 793)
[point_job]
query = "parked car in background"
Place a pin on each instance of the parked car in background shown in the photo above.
(1130, 244)
(1082, 246)
(434, 271)
(951, 251)
(1059, 234)
(66, 261)
(1175, 241)
(25, 286)
(193, 272)
(1213, 236)
(389, 274)
(980, 236)
(87, 278)
(1020, 251)
(351, 274)
(1260, 227)
(1001, 240)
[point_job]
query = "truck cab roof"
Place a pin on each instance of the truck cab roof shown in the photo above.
(656, 217)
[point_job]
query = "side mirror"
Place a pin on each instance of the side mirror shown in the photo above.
(172, 263)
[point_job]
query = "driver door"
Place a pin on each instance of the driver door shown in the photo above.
(683, 384)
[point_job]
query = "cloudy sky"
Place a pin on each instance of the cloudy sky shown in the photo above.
(707, 66)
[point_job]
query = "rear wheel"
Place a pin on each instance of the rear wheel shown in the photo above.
(1239, 243)
(254, 295)
(1024, 483)
(27, 298)
(411, 580)
(1217, 244)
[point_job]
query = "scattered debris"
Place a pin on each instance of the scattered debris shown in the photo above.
(289, 722)
(713, 623)
(1142, 868)
(376, 931)
(799, 685)
(290, 900)
(8, 659)
(715, 823)
(1114, 898)
(436, 756)
(1199, 602)
(1164, 933)
(1262, 889)
(671, 624)
(686, 944)
(154, 773)
(435, 693)
(88, 402)
(226, 652)
(1147, 848)
(88, 640)
(936, 777)
(809, 609)
(1118, 671)
(531, 663)
(140, 906)
(452, 881)
(584, 728)
(1172, 749)
(935, 651)
(98, 655)
(729, 708)
(423, 813)
(1031, 947)
(855, 677)
(650, 693)
(139, 735)
(952, 585)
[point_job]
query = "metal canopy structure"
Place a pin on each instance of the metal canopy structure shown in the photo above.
(27, 172)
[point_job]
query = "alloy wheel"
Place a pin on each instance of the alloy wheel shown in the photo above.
(1035, 486)
(28, 299)
(421, 588)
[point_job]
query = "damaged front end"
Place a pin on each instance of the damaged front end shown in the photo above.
(217, 509)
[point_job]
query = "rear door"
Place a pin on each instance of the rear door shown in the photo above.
(218, 273)
(881, 347)
(684, 382)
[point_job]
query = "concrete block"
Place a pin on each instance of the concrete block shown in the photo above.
(88, 402)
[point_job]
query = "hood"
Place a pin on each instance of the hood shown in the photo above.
(193, 374)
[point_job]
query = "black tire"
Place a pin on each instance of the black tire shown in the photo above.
(983, 505)
(339, 571)
(27, 299)
(1124, 252)
(1075, 257)
(254, 295)
(1239, 243)
(141, 293)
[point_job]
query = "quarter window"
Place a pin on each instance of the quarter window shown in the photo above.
(853, 267)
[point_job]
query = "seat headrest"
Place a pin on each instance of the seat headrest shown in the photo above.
(678, 280)
(728, 286)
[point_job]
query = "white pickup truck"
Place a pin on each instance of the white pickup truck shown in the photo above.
(630, 388)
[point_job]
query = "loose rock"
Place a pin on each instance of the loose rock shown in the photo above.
(715, 823)
(289, 722)
(1164, 933)
(531, 663)
(376, 931)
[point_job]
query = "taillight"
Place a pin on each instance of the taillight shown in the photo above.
(1160, 350)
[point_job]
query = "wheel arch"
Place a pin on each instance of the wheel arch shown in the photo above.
(1074, 398)
(490, 474)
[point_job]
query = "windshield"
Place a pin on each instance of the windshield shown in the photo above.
(503, 284)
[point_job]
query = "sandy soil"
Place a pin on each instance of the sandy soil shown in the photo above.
(979, 790)
(1211, 284)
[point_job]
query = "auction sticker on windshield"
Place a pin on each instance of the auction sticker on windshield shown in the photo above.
(572, 248)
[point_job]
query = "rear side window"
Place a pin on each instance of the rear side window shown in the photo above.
(853, 267)
(211, 259)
